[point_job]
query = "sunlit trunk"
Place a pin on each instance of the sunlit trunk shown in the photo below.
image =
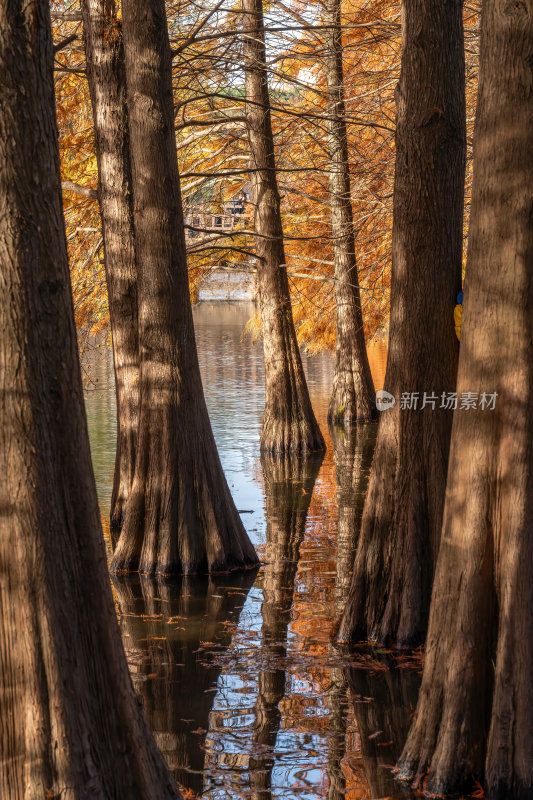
(353, 397)
(474, 720)
(71, 726)
(289, 424)
(104, 56)
(180, 516)
(400, 533)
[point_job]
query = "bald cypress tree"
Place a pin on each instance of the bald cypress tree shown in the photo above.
(352, 398)
(106, 74)
(71, 726)
(180, 516)
(289, 424)
(400, 532)
(474, 719)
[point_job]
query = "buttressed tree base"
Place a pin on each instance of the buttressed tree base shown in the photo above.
(180, 516)
(71, 726)
(400, 532)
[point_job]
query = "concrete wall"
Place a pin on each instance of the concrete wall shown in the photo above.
(230, 284)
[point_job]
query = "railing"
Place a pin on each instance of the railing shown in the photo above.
(203, 224)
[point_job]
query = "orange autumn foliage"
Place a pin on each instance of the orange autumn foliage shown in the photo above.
(213, 151)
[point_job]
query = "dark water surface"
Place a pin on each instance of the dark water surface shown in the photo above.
(243, 690)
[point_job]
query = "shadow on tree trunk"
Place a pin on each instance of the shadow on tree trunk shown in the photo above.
(180, 517)
(70, 724)
(474, 720)
(106, 75)
(400, 532)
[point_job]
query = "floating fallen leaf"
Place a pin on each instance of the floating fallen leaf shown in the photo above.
(188, 794)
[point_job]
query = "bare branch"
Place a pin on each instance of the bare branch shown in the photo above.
(86, 191)
(65, 42)
(190, 39)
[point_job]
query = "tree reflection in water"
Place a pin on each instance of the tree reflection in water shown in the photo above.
(169, 629)
(383, 703)
(382, 696)
(353, 448)
(272, 693)
(289, 483)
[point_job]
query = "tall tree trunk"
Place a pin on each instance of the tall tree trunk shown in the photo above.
(104, 55)
(475, 714)
(180, 516)
(289, 424)
(353, 396)
(71, 726)
(400, 533)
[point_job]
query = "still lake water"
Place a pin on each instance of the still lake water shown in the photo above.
(242, 688)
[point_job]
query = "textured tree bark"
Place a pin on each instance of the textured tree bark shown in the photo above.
(180, 516)
(475, 714)
(289, 424)
(353, 396)
(71, 726)
(104, 55)
(400, 533)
